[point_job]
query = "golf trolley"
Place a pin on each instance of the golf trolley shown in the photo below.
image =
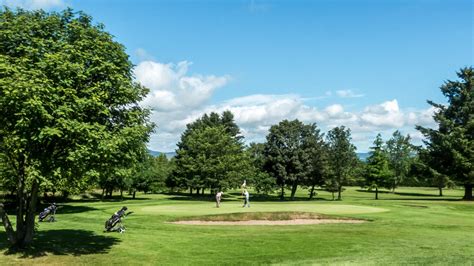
(114, 224)
(49, 211)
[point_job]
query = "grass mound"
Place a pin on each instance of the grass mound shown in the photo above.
(266, 216)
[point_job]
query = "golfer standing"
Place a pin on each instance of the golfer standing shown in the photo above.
(246, 198)
(218, 198)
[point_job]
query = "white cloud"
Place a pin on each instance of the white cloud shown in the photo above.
(256, 113)
(334, 110)
(348, 94)
(179, 98)
(172, 89)
(386, 114)
(33, 4)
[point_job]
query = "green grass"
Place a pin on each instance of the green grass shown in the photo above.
(412, 226)
(248, 216)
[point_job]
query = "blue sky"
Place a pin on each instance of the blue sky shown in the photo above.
(369, 65)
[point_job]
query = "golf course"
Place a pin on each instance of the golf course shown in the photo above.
(410, 226)
(250, 132)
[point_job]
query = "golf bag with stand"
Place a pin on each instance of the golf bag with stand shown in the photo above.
(49, 211)
(115, 222)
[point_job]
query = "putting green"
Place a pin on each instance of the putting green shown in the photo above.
(205, 208)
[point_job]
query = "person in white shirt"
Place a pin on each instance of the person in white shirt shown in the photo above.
(218, 198)
(246, 198)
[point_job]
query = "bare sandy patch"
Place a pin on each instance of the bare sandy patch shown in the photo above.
(272, 222)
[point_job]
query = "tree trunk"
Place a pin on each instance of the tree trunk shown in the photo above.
(134, 193)
(30, 215)
(440, 191)
(103, 193)
(8, 226)
(190, 190)
(376, 193)
(282, 195)
(21, 200)
(25, 217)
(468, 192)
(339, 190)
(311, 194)
(293, 189)
(332, 195)
(121, 194)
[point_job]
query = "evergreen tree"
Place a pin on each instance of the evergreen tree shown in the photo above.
(377, 169)
(451, 145)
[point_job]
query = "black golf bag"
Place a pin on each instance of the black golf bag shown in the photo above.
(115, 222)
(49, 211)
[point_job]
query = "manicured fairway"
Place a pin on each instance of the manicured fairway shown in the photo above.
(411, 227)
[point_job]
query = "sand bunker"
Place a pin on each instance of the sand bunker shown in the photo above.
(273, 222)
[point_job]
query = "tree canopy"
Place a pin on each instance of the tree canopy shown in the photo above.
(450, 147)
(210, 155)
(288, 152)
(377, 172)
(400, 157)
(69, 106)
(342, 156)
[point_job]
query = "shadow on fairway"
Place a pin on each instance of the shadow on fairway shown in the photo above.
(66, 209)
(419, 196)
(424, 199)
(62, 242)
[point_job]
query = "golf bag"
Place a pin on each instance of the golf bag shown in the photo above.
(49, 211)
(115, 222)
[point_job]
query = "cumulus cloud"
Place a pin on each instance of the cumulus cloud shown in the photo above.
(384, 114)
(179, 98)
(348, 94)
(172, 89)
(334, 110)
(33, 4)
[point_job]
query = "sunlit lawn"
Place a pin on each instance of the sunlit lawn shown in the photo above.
(412, 226)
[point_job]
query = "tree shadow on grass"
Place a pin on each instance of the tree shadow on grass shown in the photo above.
(67, 209)
(62, 242)
(420, 196)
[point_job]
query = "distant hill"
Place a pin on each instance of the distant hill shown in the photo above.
(158, 153)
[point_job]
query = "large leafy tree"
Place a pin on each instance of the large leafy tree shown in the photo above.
(69, 106)
(210, 154)
(342, 157)
(451, 145)
(150, 174)
(318, 169)
(377, 172)
(260, 179)
(288, 153)
(400, 154)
